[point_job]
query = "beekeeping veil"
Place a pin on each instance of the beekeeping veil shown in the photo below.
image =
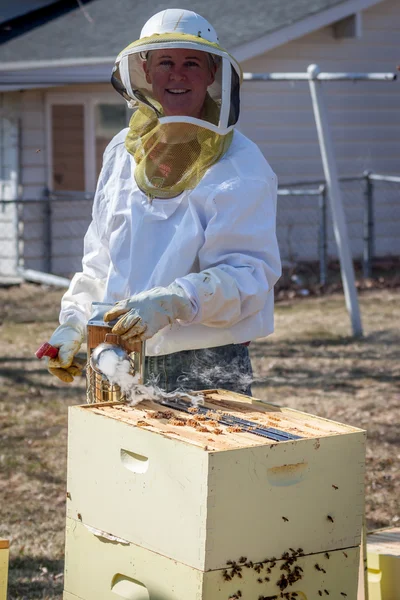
(172, 151)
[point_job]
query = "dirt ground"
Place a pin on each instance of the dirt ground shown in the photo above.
(311, 363)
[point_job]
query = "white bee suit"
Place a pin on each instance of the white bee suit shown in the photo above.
(217, 241)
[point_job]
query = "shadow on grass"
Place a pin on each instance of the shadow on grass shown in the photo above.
(16, 374)
(381, 345)
(31, 578)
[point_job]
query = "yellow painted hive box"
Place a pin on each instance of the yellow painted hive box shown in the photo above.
(383, 559)
(4, 551)
(98, 568)
(202, 493)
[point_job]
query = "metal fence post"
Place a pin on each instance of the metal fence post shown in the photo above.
(323, 235)
(336, 202)
(47, 237)
(368, 248)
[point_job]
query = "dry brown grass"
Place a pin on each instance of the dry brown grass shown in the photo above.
(310, 363)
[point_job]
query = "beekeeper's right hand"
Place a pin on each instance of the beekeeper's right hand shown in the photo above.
(68, 338)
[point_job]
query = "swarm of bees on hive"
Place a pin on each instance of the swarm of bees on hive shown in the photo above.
(292, 573)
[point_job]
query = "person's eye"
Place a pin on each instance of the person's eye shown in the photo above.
(192, 63)
(165, 63)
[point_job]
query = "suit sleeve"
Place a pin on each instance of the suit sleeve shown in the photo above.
(239, 260)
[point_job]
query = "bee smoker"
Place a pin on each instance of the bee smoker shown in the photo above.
(100, 339)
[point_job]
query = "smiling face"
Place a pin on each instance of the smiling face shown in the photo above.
(180, 79)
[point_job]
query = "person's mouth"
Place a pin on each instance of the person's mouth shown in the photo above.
(177, 91)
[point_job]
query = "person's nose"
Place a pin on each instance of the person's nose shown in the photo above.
(177, 74)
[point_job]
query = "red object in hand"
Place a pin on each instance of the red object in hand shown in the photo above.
(46, 349)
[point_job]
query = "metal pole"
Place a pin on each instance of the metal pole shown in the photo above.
(338, 216)
(323, 236)
(368, 226)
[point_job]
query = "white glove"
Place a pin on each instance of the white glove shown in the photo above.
(68, 338)
(146, 313)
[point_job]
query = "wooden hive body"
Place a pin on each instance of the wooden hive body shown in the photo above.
(4, 551)
(383, 559)
(195, 499)
(101, 569)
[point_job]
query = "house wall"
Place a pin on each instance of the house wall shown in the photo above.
(69, 218)
(9, 157)
(365, 123)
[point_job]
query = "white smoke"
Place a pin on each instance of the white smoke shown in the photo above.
(117, 370)
(209, 371)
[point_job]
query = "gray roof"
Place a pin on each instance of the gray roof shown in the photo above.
(102, 28)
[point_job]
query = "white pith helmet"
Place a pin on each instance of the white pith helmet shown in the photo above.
(177, 20)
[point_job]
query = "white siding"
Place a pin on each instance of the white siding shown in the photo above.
(69, 219)
(8, 185)
(364, 119)
(33, 142)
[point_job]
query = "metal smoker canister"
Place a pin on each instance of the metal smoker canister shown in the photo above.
(99, 388)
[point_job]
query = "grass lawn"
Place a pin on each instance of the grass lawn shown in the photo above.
(311, 363)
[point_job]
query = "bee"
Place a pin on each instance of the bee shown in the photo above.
(298, 569)
(335, 487)
(285, 555)
(330, 518)
(343, 594)
(266, 579)
(282, 583)
(317, 567)
(326, 555)
(326, 592)
(300, 550)
(259, 580)
(319, 593)
(242, 559)
(226, 576)
(285, 519)
(346, 555)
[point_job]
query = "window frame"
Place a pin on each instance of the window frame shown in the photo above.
(89, 101)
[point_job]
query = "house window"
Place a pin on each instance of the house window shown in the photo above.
(109, 120)
(67, 125)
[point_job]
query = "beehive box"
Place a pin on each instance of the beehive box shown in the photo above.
(203, 497)
(100, 569)
(383, 560)
(4, 551)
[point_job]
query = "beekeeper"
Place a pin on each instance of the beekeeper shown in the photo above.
(182, 238)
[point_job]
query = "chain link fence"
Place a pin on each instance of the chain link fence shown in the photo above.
(305, 228)
(51, 229)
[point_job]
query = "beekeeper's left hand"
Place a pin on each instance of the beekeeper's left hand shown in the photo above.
(146, 313)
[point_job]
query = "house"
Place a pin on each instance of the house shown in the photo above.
(58, 112)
